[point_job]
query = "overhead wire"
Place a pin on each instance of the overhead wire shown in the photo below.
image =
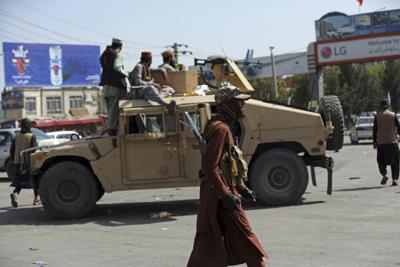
(84, 28)
(19, 19)
(128, 43)
(17, 35)
(27, 30)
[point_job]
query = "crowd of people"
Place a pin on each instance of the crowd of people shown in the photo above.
(114, 79)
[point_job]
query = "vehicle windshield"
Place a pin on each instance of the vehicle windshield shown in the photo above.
(39, 134)
(365, 121)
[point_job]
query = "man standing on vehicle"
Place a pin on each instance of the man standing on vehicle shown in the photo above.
(385, 130)
(113, 80)
(224, 235)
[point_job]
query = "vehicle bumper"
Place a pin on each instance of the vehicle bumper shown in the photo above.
(322, 162)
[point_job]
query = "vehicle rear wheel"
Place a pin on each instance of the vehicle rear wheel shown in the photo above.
(10, 169)
(68, 190)
(330, 107)
(279, 177)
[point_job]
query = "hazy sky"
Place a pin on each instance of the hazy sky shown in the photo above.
(206, 26)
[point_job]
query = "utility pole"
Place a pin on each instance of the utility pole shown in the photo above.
(275, 85)
(175, 47)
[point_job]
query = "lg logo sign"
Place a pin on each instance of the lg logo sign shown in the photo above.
(326, 51)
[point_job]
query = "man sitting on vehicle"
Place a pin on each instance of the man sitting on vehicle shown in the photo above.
(169, 62)
(149, 90)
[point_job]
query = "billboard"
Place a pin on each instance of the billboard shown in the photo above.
(336, 25)
(359, 49)
(53, 65)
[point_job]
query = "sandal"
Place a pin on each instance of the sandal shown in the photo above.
(36, 202)
(14, 202)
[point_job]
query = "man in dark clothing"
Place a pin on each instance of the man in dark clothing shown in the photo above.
(113, 80)
(385, 131)
(224, 235)
(23, 140)
(149, 90)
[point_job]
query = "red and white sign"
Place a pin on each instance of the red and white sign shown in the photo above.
(358, 49)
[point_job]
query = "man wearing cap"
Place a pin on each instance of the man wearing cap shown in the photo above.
(113, 80)
(169, 62)
(385, 130)
(23, 140)
(224, 235)
(149, 90)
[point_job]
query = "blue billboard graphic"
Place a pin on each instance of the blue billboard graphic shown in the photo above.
(37, 65)
(336, 25)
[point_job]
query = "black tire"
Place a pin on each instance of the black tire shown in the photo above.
(330, 106)
(10, 169)
(100, 192)
(68, 190)
(279, 177)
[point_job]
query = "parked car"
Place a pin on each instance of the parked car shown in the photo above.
(362, 130)
(6, 137)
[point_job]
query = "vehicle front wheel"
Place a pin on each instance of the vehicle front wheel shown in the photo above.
(68, 190)
(279, 177)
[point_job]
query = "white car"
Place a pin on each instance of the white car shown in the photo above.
(363, 129)
(6, 137)
(59, 137)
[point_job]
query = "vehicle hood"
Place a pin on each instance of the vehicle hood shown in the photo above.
(88, 148)
(263, 116)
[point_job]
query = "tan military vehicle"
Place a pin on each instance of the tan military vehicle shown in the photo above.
(153, 149)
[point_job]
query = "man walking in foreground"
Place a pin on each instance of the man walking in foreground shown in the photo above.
(224, 235)
(385, 131)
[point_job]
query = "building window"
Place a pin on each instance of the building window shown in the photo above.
(30, 105)
(53, 105)
(75, 102)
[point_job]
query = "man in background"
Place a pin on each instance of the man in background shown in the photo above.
(385, 130)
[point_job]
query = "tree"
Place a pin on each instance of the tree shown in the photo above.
(300, 94)
(391, 82)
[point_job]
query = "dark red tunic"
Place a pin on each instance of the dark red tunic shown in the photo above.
(222, 237)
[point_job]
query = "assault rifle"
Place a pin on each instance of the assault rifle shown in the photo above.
(193, 128)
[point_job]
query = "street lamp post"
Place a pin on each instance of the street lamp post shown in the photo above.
(275, 85)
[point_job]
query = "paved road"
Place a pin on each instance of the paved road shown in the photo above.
(357, 226)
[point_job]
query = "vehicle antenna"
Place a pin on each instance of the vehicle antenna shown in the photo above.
(223, 51)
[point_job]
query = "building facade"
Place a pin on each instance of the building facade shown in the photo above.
(52, 104)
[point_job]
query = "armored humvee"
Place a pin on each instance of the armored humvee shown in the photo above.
(153, 149)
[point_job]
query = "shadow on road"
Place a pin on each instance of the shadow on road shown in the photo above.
(358, 189)
(117, 214)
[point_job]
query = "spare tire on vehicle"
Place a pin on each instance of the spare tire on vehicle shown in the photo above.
(330, 107)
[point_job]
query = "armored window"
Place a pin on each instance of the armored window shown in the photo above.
(195, 117)
(75, 102)
(154, 123)
(30, 105)
(53, 104)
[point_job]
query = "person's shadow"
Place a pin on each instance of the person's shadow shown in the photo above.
(118, 214)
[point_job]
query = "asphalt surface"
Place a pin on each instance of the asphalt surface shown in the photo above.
(357, 226)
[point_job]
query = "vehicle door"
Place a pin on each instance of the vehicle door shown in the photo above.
(150, 145)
